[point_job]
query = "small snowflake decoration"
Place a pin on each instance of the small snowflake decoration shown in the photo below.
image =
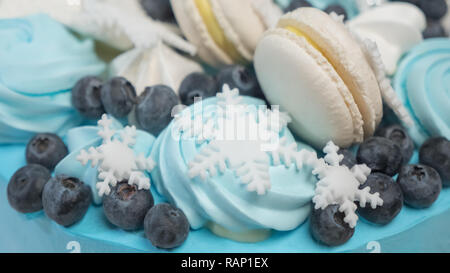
(115, 159)
(340, 185)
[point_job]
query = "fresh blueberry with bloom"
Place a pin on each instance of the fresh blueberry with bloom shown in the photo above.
(349, 158)
(421, 185)
(158, 9)
(381, 155)
(86, 97)
(166, 226)
(434, 9)
(66, 199)
(435, 152)
(391, 194)
(399, 136)
(434, 30)
(154, 108)
(25, 188)
(197, 85)
(328, 227)
(338, 9)
(242, 78)
(126, 206)
(295, 4)
(118, 96)
(45, 149)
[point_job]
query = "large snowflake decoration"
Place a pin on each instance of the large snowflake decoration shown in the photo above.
(251, 162)
(116, 160)
(244, 154)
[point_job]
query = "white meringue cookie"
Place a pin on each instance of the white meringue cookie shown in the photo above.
(395, 27)
(157, 65)
(120, 24)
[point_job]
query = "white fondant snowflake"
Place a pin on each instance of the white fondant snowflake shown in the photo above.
(339, 185)
(116, 160)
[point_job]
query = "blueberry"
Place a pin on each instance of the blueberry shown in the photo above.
(46, 149)
(381, 155)
(166, 226)
(349, 158)
(434, 30)
(435, 152)
(118, 97)
(328, 227)
(337, 9)
(158, 9)
(154, 108)
(420, 184)
(86, 97)
(433, 9)
(242, 78)
(26, 186)
(295, 4)
(66, 199)
(392, 196)
(126, 206)
(196, 85)
(399, 136)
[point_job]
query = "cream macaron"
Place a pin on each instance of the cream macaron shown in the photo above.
(225, 31)
(312, 67)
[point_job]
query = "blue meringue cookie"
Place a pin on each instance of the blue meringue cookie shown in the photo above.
(222, 200)
(40, 61)
(423, 85)
(82, 138)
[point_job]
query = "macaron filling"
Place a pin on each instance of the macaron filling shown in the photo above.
(215, 30)
(301, 34)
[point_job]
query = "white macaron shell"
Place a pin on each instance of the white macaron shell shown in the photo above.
(346, 56)
(297, 77)
(194, 28)
(240, 23)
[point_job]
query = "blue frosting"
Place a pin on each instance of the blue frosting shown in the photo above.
(423, 84)
(223, 199)
(40, 61)
(85, 137)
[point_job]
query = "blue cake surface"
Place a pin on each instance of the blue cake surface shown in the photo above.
(411, 231)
